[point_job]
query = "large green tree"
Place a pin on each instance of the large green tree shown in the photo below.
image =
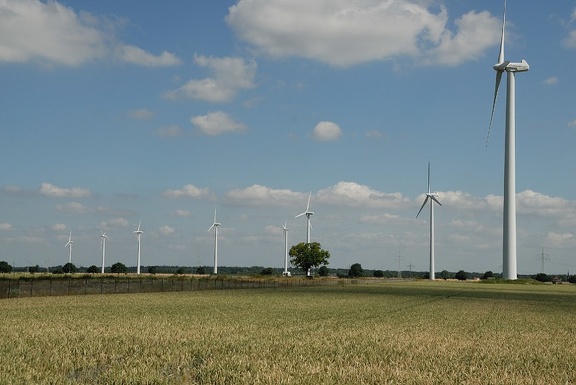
(308, 255)
(118, 268)
(5, 267)
(356, 271)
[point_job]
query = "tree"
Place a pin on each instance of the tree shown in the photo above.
(461, 275)
(267, 271)
(488, 274)
(308, 255)
(5, 267)
(378, 273)
(92, 269)
(118, 268)
(69, 268)
(323, 271)
(542, 277)
(200, 270)
(181, 271)
(152, 270)
(356, 271)
(33, 269)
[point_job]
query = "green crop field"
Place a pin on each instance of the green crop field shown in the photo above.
(377, 333)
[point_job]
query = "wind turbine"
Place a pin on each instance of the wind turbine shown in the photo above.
(509, 216)
(308, 214)
(286, 273)
(432, 196)
(215, 227)
(103, 237)
(138, 233)
(69, 245)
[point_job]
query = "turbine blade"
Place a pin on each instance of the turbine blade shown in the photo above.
(299, 215)
(498, 79)
(423, 204)
(428, 177)
(435, 200)
(501, 54)
(308, 205)
(211, 227)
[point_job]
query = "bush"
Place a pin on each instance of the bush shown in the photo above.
(5, 267)
(152, 270)
(69, 268)
(267, 271)
(201, 270)
(572, 279)
(487, 275)
(542, 277)
(323, 271)
(118, 268)
(378, 273)
(92, 269)
(180, 271)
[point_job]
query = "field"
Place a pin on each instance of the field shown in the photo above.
(377, 333)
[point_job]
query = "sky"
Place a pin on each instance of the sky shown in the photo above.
(120, 112)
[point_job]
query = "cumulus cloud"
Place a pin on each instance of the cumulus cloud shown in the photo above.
(141, 114)
(570, 40)
(356, 195)
(216, 123)
(72, 208)
(550, 81)
(229, 76)
(257, 195)
(116, 222)
(188, 191)
(136, 55)
(166, 230)
(572, 123)
(6, 227)
(183, 213)
(58, 227)
(348, 32)
(50, 190)
(532, 202)
(326, 131)
(49, 32)
(172, 131)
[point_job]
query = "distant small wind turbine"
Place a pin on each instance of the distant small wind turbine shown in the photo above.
(286, 272)
(103, 237)
(138, 233)
(432, 196)
(509, 270)
(308, 214)
(215, 226)
(69, 245)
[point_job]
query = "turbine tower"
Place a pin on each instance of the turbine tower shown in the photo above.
(69, 245)
(286, 273)
(509, 215)
(215, 226)
(432, 196)
(308, 214)
(138, 233)
(103, 237)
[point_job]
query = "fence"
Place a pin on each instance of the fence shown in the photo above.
(42, 287)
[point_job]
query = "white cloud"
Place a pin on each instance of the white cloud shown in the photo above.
(230, 75)
(348, 32)
(216, 123)
(166, 230)
(58, 227)
(354, 195)
(59, 192)
(172, 131)
(551, 81)
(6, 227)
(374, 134)
(326, 131)
(572, 123)
(257, 195)
(116, 222)
(31, 29)
(141, 114)
(136, 55)
(73, 208)
(570, 41)
(183, 213)
(188, 191)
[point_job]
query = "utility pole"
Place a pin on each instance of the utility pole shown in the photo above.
(410, 266)
(399, 258)
(542, 257)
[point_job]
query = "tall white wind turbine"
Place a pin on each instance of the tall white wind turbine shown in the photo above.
(509, 215)
(215, 226)
(138, 233)
(308, 214)
(69, 246)
(285, 228)
(433, 198)
(103, 237)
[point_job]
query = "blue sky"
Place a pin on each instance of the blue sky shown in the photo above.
(115, 112)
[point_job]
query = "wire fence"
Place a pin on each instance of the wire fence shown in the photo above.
(43, 287)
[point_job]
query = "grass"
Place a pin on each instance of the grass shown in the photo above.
(384, 333)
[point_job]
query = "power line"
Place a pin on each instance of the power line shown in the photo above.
(542, 257)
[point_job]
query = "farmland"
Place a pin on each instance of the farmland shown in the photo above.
(378, 333)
